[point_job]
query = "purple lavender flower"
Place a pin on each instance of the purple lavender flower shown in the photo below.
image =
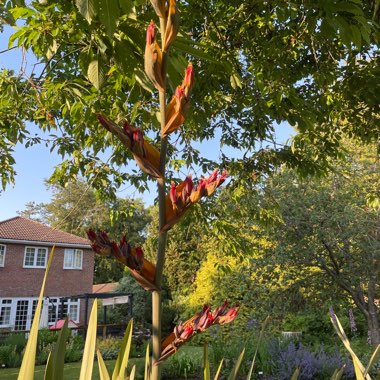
(369, 339)
(332, 314)
(352, 321)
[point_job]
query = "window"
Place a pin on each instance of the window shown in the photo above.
(5, 312)
(2, 255)
(35, 257)
(60, 308)
(73, 259)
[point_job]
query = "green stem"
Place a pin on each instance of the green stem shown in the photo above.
(156, 295)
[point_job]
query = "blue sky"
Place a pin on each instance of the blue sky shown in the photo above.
(35, 164)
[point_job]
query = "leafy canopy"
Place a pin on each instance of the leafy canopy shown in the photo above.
(258, 64)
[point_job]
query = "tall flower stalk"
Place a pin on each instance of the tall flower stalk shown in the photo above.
(172, 204)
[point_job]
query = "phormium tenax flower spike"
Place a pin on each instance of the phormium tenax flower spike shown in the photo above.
(172, 24)
(133, 258)
(181, 197)
(153, 59)
(198, 323)
(179, 105)
(145, 154)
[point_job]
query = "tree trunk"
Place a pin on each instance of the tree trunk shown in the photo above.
(373, 315)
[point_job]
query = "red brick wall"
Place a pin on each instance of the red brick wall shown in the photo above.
(16, 281)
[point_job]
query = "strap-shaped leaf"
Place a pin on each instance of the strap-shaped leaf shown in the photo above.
(257, 347)
(28, 361)
(122, 359)
(56, 361)
(102, 367)
(133, 373)
(372, 360)
(338, 373)
(219, 369)
(89, 347)
(295, 374)
(358, 366)
(147, 364)
(237, 365)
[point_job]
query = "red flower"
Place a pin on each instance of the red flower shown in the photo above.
(198, 323)
(181, 197)
(141, 269)
(153, 59)
(146, 155)
(179, 105)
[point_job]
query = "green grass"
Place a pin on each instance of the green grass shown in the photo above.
(71, 370)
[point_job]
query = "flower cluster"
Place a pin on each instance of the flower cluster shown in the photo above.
(179, 105)
(198, 323)
(145, 154)
(181, 197)
(141, 269)
(153, 59)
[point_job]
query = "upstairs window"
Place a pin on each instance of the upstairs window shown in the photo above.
(2, 255)
(35, 257)
(73, 259)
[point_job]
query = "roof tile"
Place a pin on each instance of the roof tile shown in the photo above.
(19, 228)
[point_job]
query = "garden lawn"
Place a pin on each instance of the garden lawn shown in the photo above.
(71, 371)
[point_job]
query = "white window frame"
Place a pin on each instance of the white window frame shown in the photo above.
(3, 250)
(35, 257)
(73, 252)
(7, 305)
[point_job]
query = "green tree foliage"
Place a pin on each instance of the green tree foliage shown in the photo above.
(331, 225)
(311, 64)
(76, 208)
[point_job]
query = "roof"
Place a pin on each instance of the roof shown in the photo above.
(104, 288)
(23, 230)
(59, 324)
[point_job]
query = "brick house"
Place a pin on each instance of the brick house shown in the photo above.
(24, 249)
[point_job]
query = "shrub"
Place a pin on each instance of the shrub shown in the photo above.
(181, 365)
(17, 340)
(9, 357)
(109, 347)
(313, 366)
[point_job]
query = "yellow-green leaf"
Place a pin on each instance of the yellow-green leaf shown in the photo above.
(28, 361)
(122, 359)
(102, 367)
(219, 369)
(133, 373)
(95, 73)
(372, 360)
(89, 347)
(147, 364)
(295, 374)
(257, 347)
(54, 366)
(206, 363)
(237, 365)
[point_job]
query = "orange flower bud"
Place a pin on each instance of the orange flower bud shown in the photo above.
(133, 258)
(159, 7)
(146, 155)
(198, 323)
(181, 197)
(153, 59)
(179, 105)
(172, 24)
